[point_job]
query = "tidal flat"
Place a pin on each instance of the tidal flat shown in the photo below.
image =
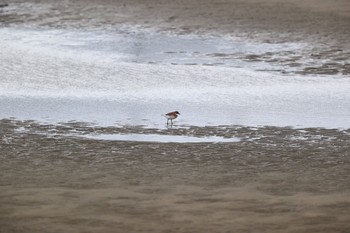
(273, 179)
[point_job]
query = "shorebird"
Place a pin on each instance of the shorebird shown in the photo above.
(170, 116)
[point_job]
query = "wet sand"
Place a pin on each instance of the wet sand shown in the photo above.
(272, 180)
(322, 24)
(275, 179)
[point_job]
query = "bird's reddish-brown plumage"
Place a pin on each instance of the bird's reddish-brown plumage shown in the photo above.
(172, 115)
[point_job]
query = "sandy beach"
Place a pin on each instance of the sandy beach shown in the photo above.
(63, 177)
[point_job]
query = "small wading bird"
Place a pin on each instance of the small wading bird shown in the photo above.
(170, 116)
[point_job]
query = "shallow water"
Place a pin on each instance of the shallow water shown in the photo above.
(111, 77)
(144, 46)
(159, 138)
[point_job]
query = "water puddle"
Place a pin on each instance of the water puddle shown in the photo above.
(142, 46)
(160, 138)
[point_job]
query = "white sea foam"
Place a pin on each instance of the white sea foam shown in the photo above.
(67, 75)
